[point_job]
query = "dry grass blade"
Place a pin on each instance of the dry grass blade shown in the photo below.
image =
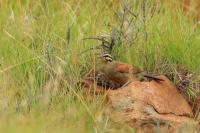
(18, 64)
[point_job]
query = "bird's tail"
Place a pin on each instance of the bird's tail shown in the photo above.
(152, 77)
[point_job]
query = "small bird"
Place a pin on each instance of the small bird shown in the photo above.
(117, 74)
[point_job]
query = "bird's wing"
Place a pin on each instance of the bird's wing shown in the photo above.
(125, 68)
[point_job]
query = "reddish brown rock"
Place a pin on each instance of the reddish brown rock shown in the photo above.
(149, 105)
(163, 96)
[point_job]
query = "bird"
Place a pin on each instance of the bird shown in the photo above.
(117, 74)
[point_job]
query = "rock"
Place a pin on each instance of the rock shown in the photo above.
(146, 106)
(149, 105)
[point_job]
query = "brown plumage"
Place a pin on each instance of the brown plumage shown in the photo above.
(115, 74)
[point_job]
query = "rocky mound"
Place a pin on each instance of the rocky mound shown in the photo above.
(148, 106)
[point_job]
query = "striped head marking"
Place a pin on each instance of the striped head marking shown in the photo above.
(107, 57)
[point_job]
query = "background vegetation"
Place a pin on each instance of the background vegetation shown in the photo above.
(42, 58)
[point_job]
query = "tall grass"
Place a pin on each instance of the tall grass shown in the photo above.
(41, 64)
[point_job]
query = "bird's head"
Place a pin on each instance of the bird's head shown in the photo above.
(106, 57)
